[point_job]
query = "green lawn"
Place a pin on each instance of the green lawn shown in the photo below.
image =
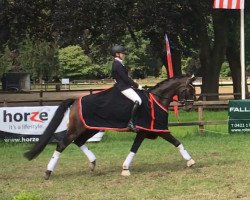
(158, 171)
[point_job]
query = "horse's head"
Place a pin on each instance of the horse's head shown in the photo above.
(186, 92)
(181, 86)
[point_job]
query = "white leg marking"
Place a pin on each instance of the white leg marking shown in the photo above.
(127, 163)
(53, 161)
(183, 152)
(90, 155)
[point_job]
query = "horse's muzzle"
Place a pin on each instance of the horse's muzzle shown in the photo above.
(187, 105)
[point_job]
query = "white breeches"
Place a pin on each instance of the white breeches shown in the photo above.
(132, 95)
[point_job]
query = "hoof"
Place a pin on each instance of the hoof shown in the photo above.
(125, 172)
(92, 165)
(190, 163)
(47, 174)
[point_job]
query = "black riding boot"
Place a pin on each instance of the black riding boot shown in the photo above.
(131, 125)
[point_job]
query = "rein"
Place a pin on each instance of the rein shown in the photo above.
(160, 96)
(182, 102)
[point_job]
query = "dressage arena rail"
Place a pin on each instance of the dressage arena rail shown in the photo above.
(199, 105)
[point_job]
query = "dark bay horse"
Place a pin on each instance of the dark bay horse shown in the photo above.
(77, 133)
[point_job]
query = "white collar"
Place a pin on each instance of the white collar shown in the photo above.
(119, 60)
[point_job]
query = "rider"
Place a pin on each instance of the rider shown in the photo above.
(124, 83)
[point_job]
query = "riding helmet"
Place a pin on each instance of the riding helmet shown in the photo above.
(117, 49)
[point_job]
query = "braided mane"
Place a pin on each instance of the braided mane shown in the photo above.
(166, 80)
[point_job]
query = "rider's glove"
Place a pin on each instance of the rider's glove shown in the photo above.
(140, 87)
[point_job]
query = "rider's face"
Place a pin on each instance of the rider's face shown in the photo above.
(122, 56)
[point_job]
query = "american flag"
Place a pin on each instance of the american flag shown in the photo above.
(229, 4)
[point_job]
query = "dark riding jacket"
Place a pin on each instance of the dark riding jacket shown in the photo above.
(120, 74)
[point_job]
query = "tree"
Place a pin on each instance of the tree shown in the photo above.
(73, 61)
(212, 54)
(39, 58)
(233, 53)
(25, 17)
(139, 56)
(193, 27)
(5, 61)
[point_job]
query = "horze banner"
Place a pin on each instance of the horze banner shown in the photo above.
(239, 116)
(26, 124)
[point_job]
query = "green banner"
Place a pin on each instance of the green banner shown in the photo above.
(239, 116)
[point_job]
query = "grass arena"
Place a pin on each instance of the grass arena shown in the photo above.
(222, 169)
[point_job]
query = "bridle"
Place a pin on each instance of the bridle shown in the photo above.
(184, 100)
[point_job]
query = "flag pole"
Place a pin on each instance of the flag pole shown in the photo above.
(242, 55)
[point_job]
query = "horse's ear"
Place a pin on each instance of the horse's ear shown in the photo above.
(191, 79)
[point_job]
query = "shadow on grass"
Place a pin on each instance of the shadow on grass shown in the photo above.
(136, 169)
(140, 169)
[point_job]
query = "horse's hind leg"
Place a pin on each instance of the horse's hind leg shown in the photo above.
(170, 138)
(80, 142)
(61, 146)
(136, 144)
(75, 129)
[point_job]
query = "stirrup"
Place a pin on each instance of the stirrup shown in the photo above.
(131, 126)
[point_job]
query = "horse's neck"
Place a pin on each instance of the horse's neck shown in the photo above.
(165, 94)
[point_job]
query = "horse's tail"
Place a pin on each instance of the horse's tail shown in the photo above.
(51, 128)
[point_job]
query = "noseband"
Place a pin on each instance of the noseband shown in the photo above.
(184, 100)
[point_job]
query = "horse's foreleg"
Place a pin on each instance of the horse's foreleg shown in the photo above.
(80, 142)
(136, 144)
(170, 138)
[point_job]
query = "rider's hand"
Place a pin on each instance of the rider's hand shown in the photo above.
(140, 87)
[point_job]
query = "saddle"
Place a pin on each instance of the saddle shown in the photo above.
(111, 110)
